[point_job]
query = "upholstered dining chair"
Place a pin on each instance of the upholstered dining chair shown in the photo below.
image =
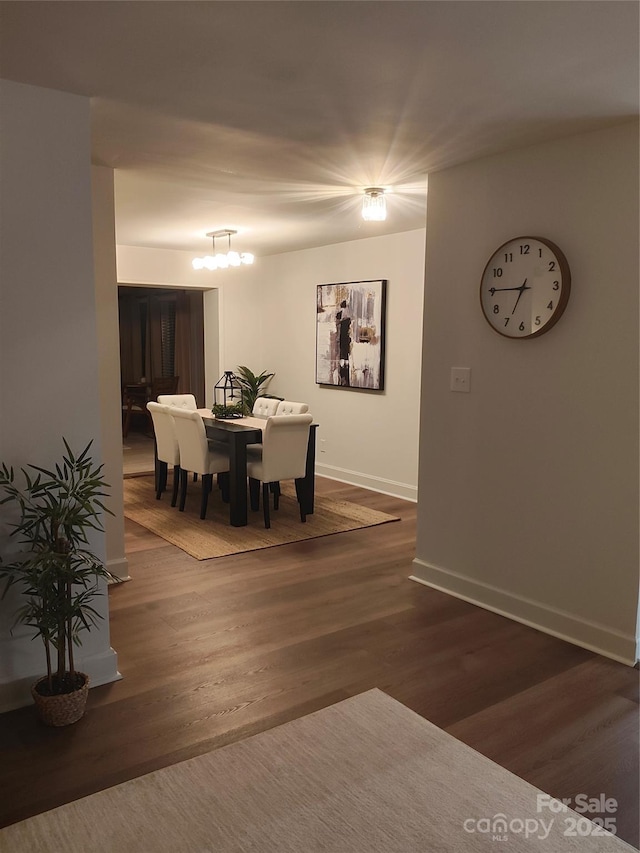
(167, 451)
(264, 407)
(283, 456)
(182, 401)
(283, 407)
(287, 407)
(196, 456)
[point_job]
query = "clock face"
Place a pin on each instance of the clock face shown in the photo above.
(525, 287)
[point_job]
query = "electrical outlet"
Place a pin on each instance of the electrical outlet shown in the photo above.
(460, 379)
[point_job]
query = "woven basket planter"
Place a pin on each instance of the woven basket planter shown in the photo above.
(64, 709)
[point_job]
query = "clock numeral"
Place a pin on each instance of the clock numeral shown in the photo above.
(496, 309)
(506, 320)
(537, 321)
(539, 253)
(524, 249)
(497, 272)
(556, 285)
(508, 257)
(552, 266)
(550, 306)
(521, 327)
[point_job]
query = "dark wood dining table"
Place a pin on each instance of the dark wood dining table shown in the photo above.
(237, 433)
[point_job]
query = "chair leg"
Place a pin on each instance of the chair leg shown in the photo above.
(176, 482)
(206, 488)
(265, 505)
(303, 499)
(161, 479)
(183, 488)
(254, 494)
(275, 490)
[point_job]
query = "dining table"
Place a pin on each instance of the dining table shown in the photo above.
(238, 433)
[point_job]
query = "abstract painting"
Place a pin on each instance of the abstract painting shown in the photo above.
(350, 334)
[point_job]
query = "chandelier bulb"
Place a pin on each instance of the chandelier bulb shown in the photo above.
(222, 260)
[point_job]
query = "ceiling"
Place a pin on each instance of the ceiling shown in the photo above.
(271, 117)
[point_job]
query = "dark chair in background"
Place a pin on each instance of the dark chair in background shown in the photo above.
(135, 398)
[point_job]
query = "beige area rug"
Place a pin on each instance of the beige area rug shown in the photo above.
(214, 537)
(366, 775)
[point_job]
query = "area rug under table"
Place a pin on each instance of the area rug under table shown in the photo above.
(214, 536)
(361, 776)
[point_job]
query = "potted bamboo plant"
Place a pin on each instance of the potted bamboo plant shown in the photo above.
(57, 573)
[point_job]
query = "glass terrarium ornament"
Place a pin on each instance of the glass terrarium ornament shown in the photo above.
(228, 397)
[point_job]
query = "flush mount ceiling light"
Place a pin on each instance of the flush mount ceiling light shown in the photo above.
(374, 205)
(222, 260)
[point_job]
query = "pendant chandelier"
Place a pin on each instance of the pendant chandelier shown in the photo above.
(222, 260)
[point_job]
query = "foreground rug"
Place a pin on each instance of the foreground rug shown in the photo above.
(214, 537)
(364, 776)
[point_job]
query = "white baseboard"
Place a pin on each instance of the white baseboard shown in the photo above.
(366, 481)
(101, 669)
(566, 626)
(119, 568)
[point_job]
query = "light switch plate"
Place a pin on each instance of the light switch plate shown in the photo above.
(461, 379)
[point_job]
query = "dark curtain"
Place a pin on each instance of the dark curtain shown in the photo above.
(189, 350)
(133, 339)
(145, 326)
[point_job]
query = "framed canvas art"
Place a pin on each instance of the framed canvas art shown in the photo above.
(350, 334)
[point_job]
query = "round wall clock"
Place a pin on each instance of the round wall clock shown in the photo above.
(525, 287)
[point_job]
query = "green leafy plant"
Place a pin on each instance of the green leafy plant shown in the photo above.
(229, 411)
(252, 385)
(58, 575)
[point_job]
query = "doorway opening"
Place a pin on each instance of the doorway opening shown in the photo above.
(161, 336)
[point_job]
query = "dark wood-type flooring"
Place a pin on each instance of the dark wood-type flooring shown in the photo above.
(217, 650)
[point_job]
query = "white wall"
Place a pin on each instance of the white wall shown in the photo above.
(160, 267)
(529, 484)
(49, 375)
(368, 438)
(108, 334)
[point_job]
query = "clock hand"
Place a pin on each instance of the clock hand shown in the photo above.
(522, 289)
(493, 290)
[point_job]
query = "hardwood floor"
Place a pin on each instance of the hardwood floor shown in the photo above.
(138, 452)
(217, 650)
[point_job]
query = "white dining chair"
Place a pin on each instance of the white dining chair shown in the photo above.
(167, 450)
(283, 456)
(196, 456)
(182, 401)
(288, 407)
(264, 407)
